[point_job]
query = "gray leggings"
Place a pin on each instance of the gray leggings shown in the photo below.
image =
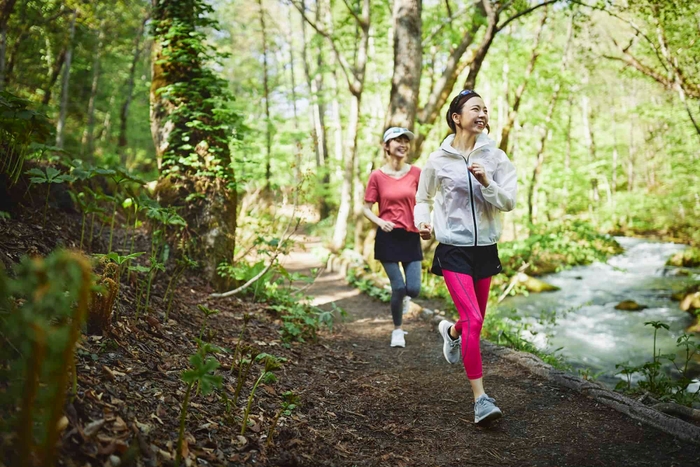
(401, 288)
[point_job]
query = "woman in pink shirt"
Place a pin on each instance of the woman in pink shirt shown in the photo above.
(394, 187)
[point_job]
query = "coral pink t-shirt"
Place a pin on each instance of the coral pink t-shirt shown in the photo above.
(396, 197)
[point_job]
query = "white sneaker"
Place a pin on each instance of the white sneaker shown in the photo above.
(397, 339)
(406, 304)
(451, 348)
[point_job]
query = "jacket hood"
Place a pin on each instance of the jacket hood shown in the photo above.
(481, 141)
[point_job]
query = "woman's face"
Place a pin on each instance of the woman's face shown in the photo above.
(398, 147)
(473, 118)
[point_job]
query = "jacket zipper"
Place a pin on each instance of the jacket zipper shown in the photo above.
(471, 199)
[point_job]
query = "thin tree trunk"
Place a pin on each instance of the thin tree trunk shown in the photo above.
(60, 126)
(535, 180)
(405, 83)
(630, 159)
(567, 156)
(507, 128)
(318, 128)
(346, 190)
(337, 123)
(590, 136)
(266, 95)
(88, 134)
(7, 9)
(129, 94)
(55, 73)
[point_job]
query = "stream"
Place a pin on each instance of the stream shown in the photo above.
(590, 333)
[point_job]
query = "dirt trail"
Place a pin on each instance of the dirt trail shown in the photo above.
(366, 404)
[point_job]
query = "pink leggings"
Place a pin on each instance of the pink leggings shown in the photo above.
(470, 298)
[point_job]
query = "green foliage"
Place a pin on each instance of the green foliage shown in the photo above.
(49, 176)
(688, 258)
(300, 321)
(654, 380)
(557, 246)
(23, 133)
(367, 286)
(200, 374)
(267, 376)
(41, 311)
(506, 328)
(201, 120)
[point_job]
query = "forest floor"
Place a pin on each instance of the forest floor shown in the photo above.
(361, 403)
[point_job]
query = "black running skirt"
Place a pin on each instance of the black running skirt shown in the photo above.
(477, 261)
(397, 246)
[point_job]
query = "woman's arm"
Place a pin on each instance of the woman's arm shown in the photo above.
(386, 226)
(427, 186)
(502, 190)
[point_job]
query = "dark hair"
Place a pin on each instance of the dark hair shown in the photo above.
(456, 106)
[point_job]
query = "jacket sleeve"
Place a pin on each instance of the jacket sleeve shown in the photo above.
(427, 186)
(503, 188)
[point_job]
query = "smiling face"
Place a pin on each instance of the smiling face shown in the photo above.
(473, 117)
(397, 147)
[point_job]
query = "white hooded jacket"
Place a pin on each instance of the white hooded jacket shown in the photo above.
(466, 213)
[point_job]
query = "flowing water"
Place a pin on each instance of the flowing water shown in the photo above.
(589, 330)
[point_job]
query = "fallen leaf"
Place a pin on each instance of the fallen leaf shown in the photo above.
(156, 417)
(93, 427)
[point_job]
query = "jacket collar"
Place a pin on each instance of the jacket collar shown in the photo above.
(481, 141)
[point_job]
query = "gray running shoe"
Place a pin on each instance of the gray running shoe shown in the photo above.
(451, 348)
(485, 410)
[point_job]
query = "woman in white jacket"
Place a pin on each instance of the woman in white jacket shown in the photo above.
(466, 184)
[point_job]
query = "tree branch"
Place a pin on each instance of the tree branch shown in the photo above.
(524, 12)
(360, 21)
(445, 22)
(348, 70)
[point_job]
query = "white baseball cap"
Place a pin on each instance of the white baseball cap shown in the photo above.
(395, 132)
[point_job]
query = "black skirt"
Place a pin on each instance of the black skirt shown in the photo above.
(397, 246)
(477, 261)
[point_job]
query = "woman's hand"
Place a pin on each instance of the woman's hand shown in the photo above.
(479, 173)
(386, 226)
(425, 231)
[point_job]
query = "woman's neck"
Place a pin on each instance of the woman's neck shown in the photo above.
(464, 142)
(395, 163)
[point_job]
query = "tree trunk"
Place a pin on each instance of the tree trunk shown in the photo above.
(405, 83)
(539, 163)
(491, 31)
(88, 134)
(7, 9)
(630, 159)
(266, 96)
(346, 191)
(55, 73)
(355, 76)
(189, 154)
(129, 94)
(594, 196)
(60, 126)
(318, 127)
(508, 126)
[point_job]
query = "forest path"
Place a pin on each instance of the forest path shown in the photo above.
(365, 403)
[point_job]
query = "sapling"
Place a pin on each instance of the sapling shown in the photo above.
(246, 318)
(50, 176)
(200, 375)
(655, 364)
(267, 376)
(207, 313)
(182, 264)
(244, 366)
(152, 271)
(289, 403)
